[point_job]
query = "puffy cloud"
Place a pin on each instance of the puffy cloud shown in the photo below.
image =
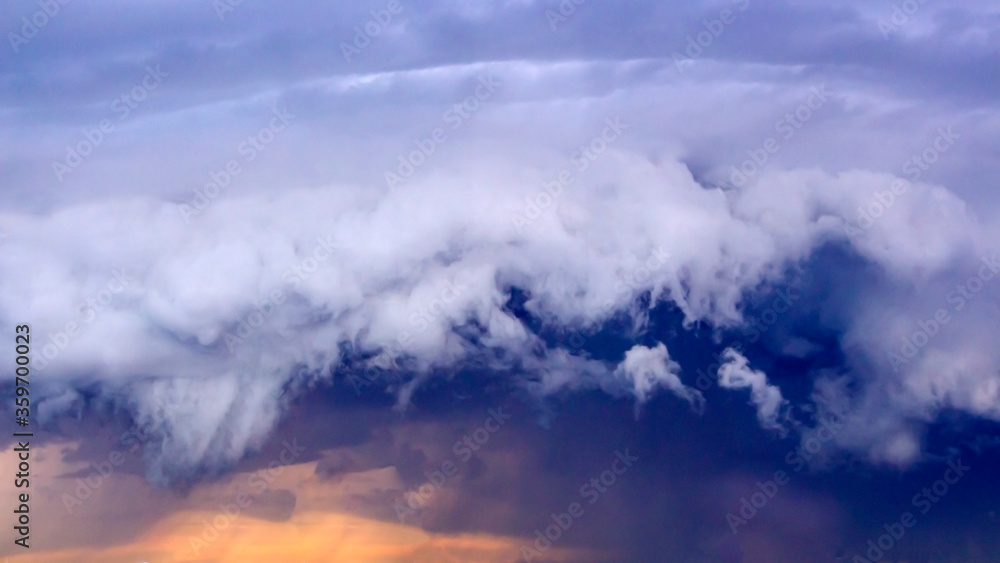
(648, 368)
(307, 267)
(224, 314)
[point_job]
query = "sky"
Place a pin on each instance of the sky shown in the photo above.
(469, 280)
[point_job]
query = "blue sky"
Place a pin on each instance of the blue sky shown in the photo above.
(714, 234)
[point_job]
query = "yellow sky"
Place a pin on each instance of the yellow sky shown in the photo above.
(126, 521)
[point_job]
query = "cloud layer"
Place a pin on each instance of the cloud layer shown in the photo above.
(211, 215)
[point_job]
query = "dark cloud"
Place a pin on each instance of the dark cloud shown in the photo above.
(228, 230)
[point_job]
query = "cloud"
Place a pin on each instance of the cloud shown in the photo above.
(648, 368)
(305, 268)
(223, 316)
(735, 373)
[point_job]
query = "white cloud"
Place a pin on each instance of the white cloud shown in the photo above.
(736, 373)
(646, 369)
